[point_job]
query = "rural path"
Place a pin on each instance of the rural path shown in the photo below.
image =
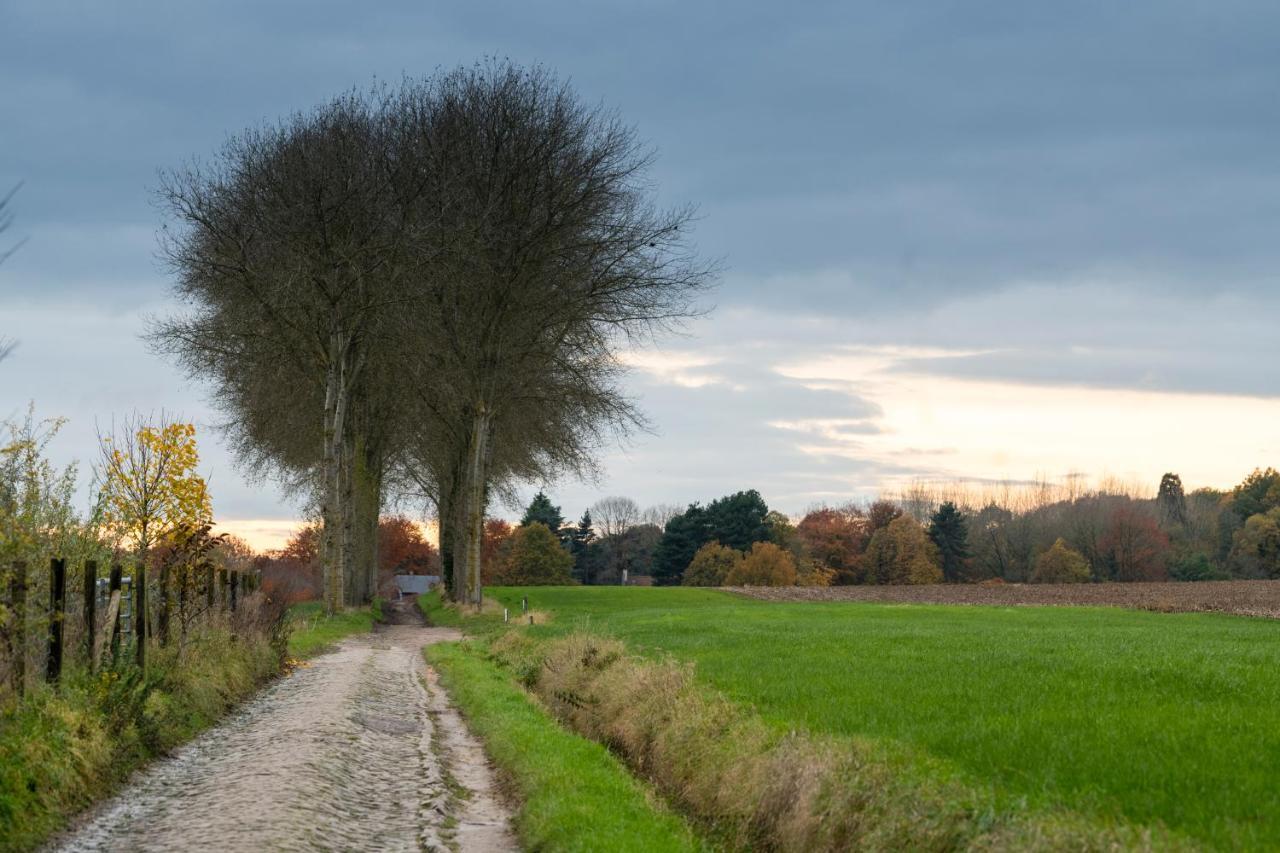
(360, 750)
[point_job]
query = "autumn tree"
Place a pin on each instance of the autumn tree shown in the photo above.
(1060, 564)
(1134, 546)
(496, 532)
(403, 549)
(1255, 551)
(901, 553)
(533, 556)
(149, 486)
(764, 565)
(949, 531)
(881, 514)
(835, 538)
(710, 565)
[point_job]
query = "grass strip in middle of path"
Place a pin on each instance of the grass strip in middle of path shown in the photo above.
(575, 794)
(312, 631)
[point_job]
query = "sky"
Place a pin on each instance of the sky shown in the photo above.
(960, 240)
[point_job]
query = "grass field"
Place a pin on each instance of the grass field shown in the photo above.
(1171, 718)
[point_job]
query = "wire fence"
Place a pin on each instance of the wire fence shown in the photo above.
(57, 616)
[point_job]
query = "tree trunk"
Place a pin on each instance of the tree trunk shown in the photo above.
(351, 576)
(366, 481)
(445, 509)
(332, 509)
(467, 576)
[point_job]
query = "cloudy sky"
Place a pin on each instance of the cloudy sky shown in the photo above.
(980, 240)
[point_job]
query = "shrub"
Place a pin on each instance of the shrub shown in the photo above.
(533, 556)
(1061, 564)
(711, 565)
(1194, 567)
(812, 573)
(766, 565)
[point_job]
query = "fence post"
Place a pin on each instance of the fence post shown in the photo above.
(235, 585)
(113, 588)
(90, 609)
(209, 573)
(140, 613)
(57, 611)
(18, 602)
(222, 589)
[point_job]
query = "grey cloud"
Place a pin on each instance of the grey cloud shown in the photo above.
(1087, 192)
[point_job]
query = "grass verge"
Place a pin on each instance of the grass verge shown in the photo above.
(575, 795)
(312, 632)
(63, 748)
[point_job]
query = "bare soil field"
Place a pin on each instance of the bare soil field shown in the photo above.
(1243, 598)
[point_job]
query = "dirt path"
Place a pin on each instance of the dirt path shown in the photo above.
(361, 750)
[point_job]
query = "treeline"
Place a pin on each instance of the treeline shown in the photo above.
(1036, 534)
(294, 572)
(419, 293)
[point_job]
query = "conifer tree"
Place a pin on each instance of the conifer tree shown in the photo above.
(949, 530)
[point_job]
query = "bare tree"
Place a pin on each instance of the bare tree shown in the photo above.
(615, 515)
(659, 514)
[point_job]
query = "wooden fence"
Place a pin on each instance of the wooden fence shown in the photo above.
(102, 621)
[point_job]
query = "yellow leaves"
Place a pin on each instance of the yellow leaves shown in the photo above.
(150, 483)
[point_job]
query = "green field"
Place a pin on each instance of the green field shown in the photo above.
(1171, 718)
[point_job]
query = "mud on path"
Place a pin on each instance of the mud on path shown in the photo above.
(360, 750)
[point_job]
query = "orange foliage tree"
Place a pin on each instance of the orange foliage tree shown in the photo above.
(1135, 547)
(835, 538)
(496, 532)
